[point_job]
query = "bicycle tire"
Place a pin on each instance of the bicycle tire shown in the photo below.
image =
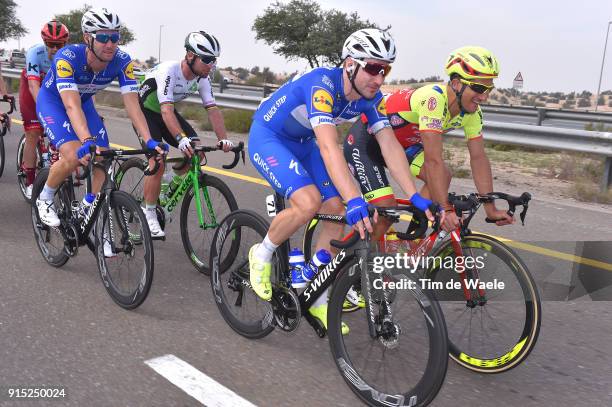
(126, 210)
(2, 155)
(133, 164)
(43, 233)
(525, 330)
(199, 253)
(251, 228)
(431, 358)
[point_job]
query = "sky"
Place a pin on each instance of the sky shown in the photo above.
(556, 45)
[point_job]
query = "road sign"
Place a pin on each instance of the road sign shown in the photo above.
(518, 81)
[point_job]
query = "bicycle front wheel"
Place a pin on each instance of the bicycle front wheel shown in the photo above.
(491, 327)
(124, 250)
(130, 177)
(2, 155)
(216, 202)
(241, 308)
(405, 363)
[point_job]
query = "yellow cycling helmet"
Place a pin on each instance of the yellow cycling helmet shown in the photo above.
(472, 63)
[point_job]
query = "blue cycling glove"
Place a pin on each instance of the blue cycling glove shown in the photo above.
(84, 149)
(356, 209)
(420, 202)
(153, 144)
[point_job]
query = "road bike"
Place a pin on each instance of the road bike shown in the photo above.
(491, 330)
(113, 227)
(5, 126)
(396, 350)
(206, 199)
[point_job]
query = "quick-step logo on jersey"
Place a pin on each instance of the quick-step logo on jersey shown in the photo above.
(322, 100)
(63, 68)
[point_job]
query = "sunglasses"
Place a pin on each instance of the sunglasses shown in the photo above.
(374, 69)
(208, 60)
(105, 38)
(54, 45)
(478, 87)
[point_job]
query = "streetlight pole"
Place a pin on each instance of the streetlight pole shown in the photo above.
(159, 48)
(602, 65)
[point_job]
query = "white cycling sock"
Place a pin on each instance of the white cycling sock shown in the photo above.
(321, 300)
(265, 250)
(47, 193)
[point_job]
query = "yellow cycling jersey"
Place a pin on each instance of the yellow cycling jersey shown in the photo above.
(411, 111)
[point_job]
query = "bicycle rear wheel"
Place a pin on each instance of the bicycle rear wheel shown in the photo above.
(126, 263)
(49, 240)
(406, 363)
(21, 176)
(497, 332)
(241, 308)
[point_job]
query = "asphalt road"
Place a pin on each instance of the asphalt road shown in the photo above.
(59, 327)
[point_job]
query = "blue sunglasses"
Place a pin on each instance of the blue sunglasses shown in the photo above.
(104, 38)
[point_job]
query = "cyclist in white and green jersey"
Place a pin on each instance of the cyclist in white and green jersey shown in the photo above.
(169, 83)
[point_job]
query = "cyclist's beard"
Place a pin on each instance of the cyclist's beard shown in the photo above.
(354, 85)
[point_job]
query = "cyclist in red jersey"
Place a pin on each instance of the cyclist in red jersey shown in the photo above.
(38, 62)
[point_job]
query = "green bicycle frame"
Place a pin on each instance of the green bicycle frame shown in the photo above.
(193, 179)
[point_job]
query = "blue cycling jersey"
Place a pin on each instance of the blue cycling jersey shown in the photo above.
(69, 71)
(37, 62)
(315, 98)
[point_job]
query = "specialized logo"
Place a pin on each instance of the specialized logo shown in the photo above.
(381, 108)
(432, 103)
(293, 165)
(129, 71)
(63, 68)
(322, 100)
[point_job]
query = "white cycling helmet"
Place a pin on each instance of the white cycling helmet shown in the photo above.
(369, 43)
(99, 19)
(202, 44)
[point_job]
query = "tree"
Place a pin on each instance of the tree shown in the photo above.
(601, 101)
(267, 75)
(10, 25)
(151, 62)
(301, 30)
(72, 20)
(584, 102)
(255, 70)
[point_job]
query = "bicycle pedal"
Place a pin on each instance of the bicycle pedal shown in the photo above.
(162, 238)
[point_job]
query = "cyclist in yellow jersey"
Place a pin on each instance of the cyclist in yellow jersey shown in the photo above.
(419, 119)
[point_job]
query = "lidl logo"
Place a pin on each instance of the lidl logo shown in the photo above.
(322, 101)
(63, 68)
(382, 107)
(129, 71)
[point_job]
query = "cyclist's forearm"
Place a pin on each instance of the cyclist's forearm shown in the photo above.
(337, 168)
(481, 170)
(396, 161)
(216, 120)
(132, 106)
(34, 87)
(170, 120)
(436, 176)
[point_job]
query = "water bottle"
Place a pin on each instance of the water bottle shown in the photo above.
(86, 203)
(165, 184)
(176, 181)
(296, 265)
(321, 258)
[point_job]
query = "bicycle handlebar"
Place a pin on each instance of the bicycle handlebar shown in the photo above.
(10, 100)
(471, 201)
(392, 212)
(237, 150)
(119, 153)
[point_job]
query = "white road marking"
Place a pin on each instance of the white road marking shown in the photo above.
(195, 383)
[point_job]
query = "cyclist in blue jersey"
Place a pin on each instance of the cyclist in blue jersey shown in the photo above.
(293, 143)
(65, 107)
